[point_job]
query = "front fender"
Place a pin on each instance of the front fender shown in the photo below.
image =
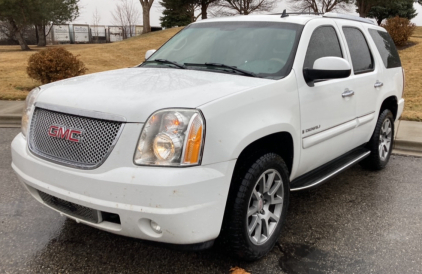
(235, 121)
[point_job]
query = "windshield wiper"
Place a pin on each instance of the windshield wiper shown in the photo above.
(233, 68)
(165, 61)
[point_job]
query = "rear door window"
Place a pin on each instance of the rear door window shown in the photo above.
(386, 48)
(362, 59)
(324, 43)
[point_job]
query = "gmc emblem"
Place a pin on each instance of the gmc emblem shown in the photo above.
(69, 134)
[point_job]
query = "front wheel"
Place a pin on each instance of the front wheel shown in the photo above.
(259, 207)
(381, 143)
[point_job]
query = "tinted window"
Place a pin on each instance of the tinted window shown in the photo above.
(361, 55)
(386, 47)
(324, 43)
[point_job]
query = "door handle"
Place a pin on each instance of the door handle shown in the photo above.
(378, 84)
(348, 93)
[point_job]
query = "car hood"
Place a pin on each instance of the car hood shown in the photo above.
(136, 93)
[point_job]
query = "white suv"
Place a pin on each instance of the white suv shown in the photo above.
(210, 134)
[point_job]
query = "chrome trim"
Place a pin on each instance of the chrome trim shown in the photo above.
(325, 135)
(378, 84)
(347, 93)
(333, 173)
(313, 134)
(338, 125)
(82, 112)
(73, 164)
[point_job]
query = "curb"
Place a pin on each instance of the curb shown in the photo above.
(10, 120)
(408, 145)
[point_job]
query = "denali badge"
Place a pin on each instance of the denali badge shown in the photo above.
(61, 132)
(311, 129)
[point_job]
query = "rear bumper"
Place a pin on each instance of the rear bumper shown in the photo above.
(400, 108)
(187, 203)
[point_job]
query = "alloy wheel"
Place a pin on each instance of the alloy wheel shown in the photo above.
(386, 135)
(265, 207)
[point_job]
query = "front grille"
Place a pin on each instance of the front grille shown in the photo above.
(96, 141)
(75, 210)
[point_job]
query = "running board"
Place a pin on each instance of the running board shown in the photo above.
(329, 170)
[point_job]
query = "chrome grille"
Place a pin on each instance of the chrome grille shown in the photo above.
(75, 210)
(97, 139)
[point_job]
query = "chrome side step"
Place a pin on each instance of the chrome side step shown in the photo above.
(329, 170)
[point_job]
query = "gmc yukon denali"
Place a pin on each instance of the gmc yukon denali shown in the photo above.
(210, 134)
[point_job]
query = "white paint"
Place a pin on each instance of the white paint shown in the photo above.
(331, 63)
(238, 110)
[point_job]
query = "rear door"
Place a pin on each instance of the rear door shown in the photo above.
(386, 52)
(366, 74)
(328, 119)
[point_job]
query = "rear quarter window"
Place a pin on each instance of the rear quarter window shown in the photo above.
(386, 48)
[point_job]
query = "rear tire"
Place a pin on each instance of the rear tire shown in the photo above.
(381, 143)
(258, 207)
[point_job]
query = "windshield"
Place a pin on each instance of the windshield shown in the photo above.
(258, 49)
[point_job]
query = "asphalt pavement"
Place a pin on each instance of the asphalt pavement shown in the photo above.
(358, 222)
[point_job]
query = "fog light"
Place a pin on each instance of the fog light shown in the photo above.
(156, 227)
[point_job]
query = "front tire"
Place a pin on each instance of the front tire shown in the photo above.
(381, 143)
(259, 208)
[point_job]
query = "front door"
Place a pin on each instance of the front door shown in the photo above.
(328, 108)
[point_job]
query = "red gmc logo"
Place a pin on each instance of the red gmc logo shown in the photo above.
(69, 134)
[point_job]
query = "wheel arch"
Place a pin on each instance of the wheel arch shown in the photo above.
(390, 103)
(280, 142)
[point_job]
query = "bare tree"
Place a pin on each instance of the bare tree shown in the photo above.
(244, 7)
(96, 18)
(319, 6)
(146, 7)
(126, 15)
(6, 31)
(192, 8)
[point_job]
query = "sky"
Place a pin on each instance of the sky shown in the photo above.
(105, 7)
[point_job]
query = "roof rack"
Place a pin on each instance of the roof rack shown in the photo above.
(328, 15)
(286, 14)
(347, 17)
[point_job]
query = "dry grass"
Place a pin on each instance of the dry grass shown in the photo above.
(412, 63)
(15, 84)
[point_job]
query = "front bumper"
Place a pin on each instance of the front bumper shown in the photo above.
(187, 203)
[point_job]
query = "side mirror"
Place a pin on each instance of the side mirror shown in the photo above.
(149, 53)
(328, 68)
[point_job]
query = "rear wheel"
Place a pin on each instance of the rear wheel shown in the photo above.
(259, 207)
(381, 143)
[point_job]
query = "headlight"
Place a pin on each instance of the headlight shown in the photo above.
(29, 102)
(171, 137)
